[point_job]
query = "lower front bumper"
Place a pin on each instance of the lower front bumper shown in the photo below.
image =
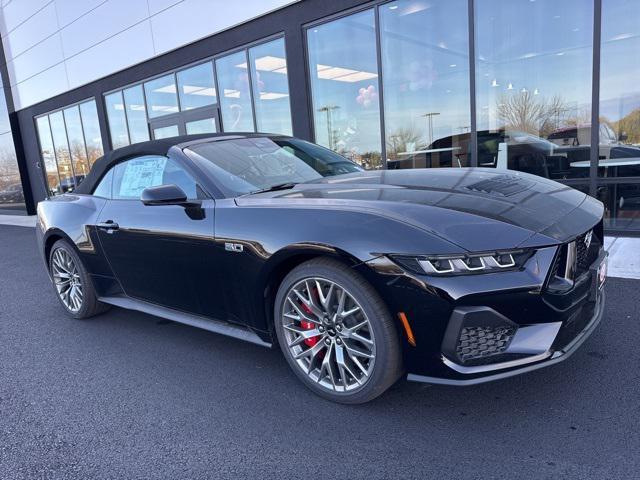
(555, 357)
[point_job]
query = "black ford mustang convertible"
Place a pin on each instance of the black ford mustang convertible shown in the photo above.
(452, 276)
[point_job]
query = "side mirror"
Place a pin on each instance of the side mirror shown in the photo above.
(164, 195)
(623, 137)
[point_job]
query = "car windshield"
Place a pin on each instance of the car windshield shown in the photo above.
(246, 165)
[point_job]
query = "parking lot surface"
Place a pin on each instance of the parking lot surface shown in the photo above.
(128, 395)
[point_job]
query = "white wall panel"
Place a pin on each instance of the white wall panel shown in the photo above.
(112, 55)
(44, 55)
(73, 42)
(156, 6)
(203, 18)
(107, 20)
(39, 87)
(70, 10)
(16, 12)
(33, 30)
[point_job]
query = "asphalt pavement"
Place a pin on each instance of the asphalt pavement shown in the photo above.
(126, 395)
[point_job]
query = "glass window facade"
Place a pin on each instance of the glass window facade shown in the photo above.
(235, 98)
(343, 65)
(408, 84)
(619, 148)
(196, 87)
(162, 96)
(254, 86)
(70, 142)
(11, 194)
(206, 125)
(114, 104)
(75, 136)
(426, 84)
(136, 114)
(270, 87)
(533, 86)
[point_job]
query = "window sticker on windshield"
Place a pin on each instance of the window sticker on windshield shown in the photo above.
(140, 174)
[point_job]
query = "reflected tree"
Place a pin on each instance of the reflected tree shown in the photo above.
(403, 140)
(530, 113)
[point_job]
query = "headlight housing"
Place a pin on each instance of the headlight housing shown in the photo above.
(464, 264)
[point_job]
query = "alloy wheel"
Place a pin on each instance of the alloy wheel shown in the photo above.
(66, 278)
(328, 334)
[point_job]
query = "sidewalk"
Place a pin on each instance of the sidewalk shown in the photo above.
(624, 252)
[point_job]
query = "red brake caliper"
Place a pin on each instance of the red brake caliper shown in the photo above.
(308, 326)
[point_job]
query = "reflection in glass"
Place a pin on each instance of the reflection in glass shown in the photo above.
(161, 95)
(61, 149)
(91, 127)
(117, 120)
(426, 83)
(622, 205)
(48, 155)
(206, 125)
(165, 132)
(11, 195)
(344, 86)
(533, 83)
(620, 90)
(136, 114)
(76, 142)
(270, 87)
(235, 101)
(196, 87)
(4, 114)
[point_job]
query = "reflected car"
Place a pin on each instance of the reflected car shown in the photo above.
(445, 276)
(506, 149)
(68, 184)
(12, 194)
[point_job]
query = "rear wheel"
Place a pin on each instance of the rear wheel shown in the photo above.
(72, 283)
(336, 333)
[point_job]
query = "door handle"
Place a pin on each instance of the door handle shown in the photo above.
(109, 226)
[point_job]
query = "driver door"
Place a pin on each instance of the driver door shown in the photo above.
(162, 253)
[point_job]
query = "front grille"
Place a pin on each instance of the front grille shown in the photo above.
(582, 252)
(586, 255)
(481, 342)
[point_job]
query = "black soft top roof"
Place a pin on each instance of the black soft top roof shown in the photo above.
(152, 147)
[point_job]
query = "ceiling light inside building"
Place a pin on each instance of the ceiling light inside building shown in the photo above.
(166, 89)
(230, 93)
(196, 90)
(340, 74)
(268, 63)
(272, 95)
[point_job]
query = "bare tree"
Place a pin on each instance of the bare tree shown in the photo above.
(530, 113)
(401, 139)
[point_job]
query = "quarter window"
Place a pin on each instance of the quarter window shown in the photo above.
(104, 187)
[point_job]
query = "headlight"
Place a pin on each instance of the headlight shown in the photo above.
(486, 262)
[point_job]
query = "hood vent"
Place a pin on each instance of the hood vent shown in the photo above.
(502, 185)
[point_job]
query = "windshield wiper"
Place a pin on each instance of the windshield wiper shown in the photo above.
(274, 188)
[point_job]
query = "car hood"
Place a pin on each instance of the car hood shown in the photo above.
(476, 209)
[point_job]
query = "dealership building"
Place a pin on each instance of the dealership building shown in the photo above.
(546, 87)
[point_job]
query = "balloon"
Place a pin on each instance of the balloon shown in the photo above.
(366, 96)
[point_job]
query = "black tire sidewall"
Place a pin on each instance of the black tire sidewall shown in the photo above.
(387, 366)
(89, 301)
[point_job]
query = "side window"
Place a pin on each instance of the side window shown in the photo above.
(104, 187)
(133, 176)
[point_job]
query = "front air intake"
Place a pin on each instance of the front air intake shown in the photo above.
(480, 342)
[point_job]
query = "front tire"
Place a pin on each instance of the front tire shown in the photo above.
(72, 283)
(336, 333)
